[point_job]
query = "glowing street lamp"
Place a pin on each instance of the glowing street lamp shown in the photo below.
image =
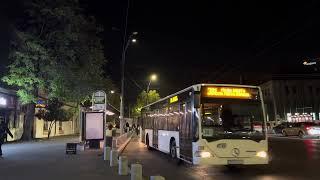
(153, 77)
(112, 91)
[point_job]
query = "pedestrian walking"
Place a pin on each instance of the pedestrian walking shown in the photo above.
(4, 130)
(137, 130)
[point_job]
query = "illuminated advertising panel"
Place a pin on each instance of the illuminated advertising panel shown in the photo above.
(228, 92)
(94, 122)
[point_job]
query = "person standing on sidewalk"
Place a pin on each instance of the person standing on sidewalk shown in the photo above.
(4, 130)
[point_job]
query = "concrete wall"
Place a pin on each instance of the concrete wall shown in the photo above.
(66, 129)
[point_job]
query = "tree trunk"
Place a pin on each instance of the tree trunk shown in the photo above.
(28, 123)
(50, 128)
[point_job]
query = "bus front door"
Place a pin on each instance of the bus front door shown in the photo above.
(155, 134)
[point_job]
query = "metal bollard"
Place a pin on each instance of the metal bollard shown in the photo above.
(157, 178)
(136, 172)
(123, 165)
(113, 158)
(106, 155)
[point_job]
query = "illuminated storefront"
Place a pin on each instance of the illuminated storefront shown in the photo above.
(10, 112)
(304, 117)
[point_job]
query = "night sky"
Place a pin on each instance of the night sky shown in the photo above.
(189, 42)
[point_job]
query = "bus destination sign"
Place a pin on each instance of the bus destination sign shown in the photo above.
(173, 99)
(227, 92)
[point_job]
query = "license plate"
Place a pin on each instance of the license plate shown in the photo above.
(235, 161)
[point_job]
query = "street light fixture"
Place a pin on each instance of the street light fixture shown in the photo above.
(112, 91)
(153, 77)
(125, 47)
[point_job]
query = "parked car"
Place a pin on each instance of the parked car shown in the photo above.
(302, 129)
(278, 129)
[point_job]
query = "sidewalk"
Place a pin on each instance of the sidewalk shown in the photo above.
(47, 160)
(157, 163)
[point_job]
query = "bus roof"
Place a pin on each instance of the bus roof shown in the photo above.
(197, 87)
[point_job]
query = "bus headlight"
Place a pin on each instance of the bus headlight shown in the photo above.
(203, 154)
(262, 154)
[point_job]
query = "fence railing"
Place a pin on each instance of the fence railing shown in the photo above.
(120, 141)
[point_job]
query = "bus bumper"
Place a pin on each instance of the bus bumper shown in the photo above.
(230, 161)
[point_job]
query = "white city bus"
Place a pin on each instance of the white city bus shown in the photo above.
(211, 124)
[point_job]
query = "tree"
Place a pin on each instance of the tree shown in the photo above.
(73, 41)
(143, 99)
(53, 113)
(57, 50)
(27, 56)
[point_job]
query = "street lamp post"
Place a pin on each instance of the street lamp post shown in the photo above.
(153, 77)
(123, 59)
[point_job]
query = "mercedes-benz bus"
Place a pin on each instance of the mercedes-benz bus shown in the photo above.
(210, 124)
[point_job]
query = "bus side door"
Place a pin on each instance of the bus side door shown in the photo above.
(155, 132)
(185, 134)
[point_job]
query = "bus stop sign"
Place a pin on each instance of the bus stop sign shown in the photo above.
(99, 101)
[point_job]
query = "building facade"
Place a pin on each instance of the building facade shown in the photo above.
(294, 98)
(41, 127)
(13, 113)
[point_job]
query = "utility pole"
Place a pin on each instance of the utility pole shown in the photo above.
(133, 40)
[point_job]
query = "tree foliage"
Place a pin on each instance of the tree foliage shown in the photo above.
(57, 50)
(74, 45)
(27, 56)
(143, 99)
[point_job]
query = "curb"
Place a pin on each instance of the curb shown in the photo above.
(122, 147)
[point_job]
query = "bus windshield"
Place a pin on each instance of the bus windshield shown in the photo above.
(233, 120)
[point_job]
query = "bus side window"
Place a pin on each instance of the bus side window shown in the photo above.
(173, 118)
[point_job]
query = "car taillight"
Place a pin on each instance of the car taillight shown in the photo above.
(307, 127)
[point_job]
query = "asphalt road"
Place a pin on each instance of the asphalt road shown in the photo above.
(292, 158)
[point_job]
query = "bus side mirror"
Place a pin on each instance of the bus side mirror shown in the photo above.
(197, 99)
